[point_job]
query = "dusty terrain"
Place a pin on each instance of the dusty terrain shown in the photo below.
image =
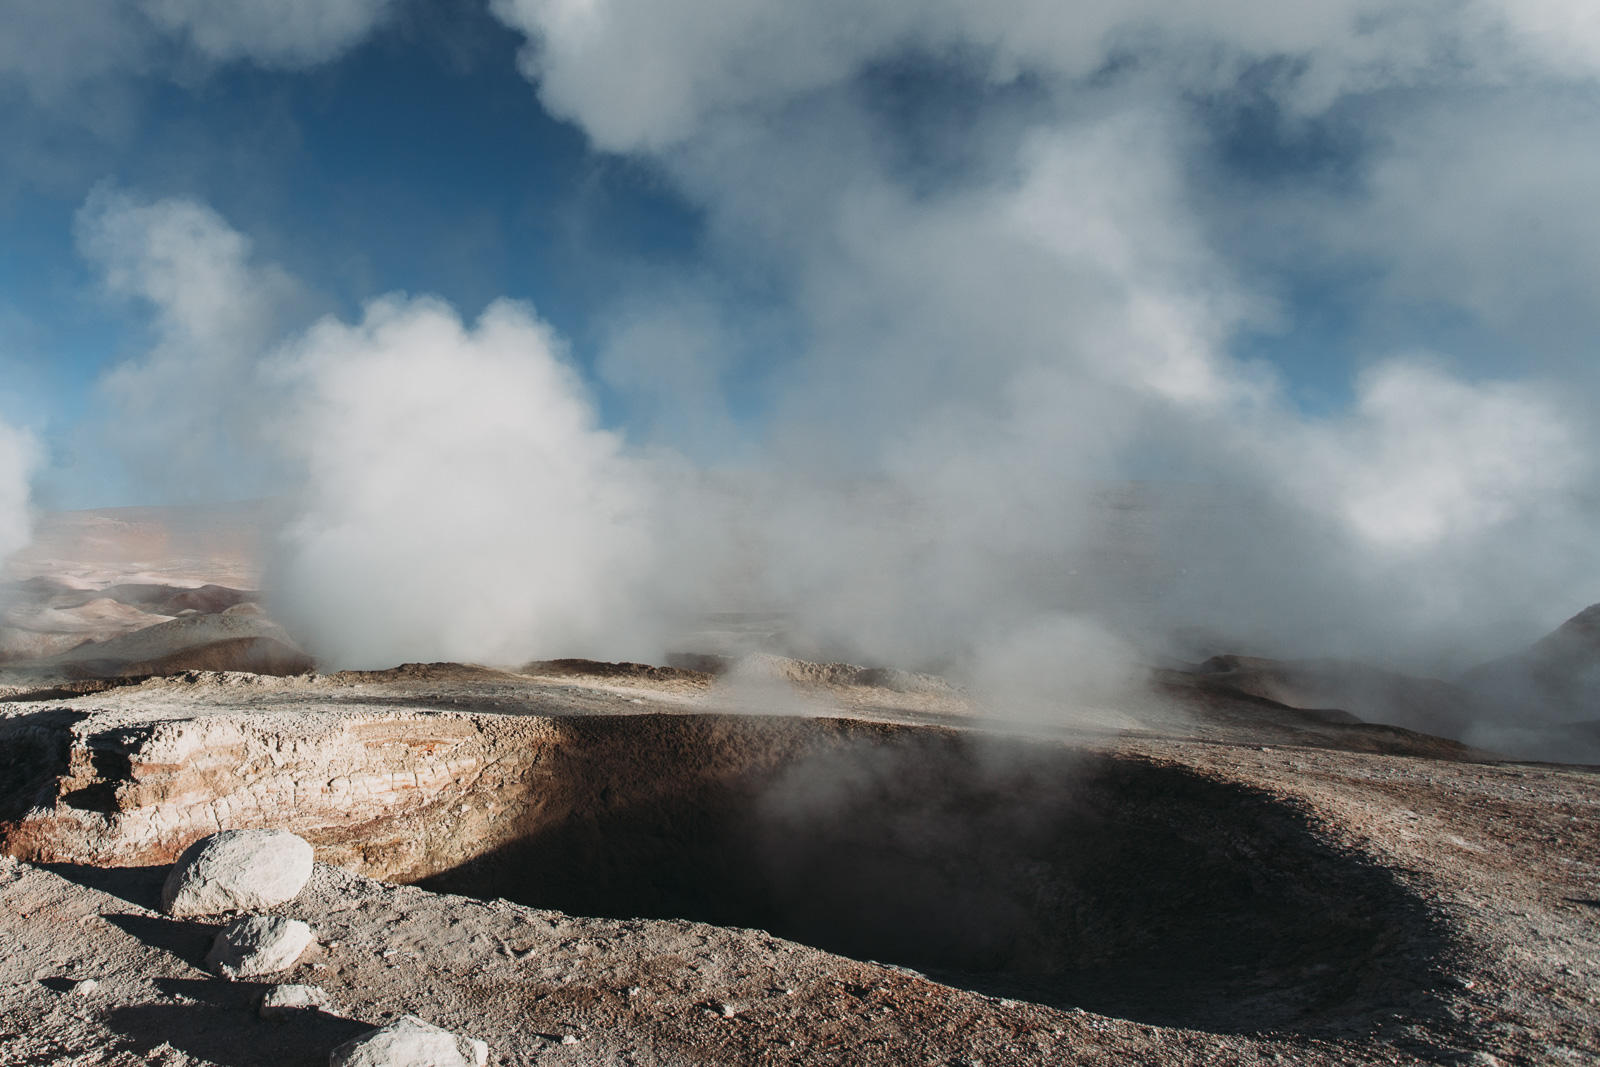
(644, 877)
(1247, 861)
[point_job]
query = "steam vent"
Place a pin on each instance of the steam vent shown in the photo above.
(598, 863)
(799, 533)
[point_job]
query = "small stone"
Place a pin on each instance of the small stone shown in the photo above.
(237, 870)
(288, 1001)
(570, 1039)
(258, 944)
(410, 1042)
(85, 986)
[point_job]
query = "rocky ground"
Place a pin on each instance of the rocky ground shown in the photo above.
(623, 865)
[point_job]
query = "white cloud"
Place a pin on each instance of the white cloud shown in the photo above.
(977, 346)
(1425, 459)
(644, 74)
(1485, 205)
(453, 495)
(186, 412)
(19, 456)
(188, 263)
(988, 342)
(52, 46)
(666, 355)
(458, 501)
(287, 33)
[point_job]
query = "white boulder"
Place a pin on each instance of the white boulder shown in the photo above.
(410, 1042)
(288, 1001)
(237, 870)
(258, 944)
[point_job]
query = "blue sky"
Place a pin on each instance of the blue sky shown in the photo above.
(1341, 258)
(421, 159)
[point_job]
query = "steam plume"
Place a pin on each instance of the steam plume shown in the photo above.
(1015, 289)
(18, 458)
(458, 501)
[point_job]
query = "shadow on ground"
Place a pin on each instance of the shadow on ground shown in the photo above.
(1123, 886)
(137, 886)
(216, 1020)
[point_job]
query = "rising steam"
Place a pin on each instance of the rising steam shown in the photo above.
(457, 500)
(18, 458)
(1010, 414)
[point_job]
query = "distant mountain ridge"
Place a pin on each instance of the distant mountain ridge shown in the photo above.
(1540, 703)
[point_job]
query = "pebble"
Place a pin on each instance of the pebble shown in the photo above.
(288, 1001)
(258, 944)
(410, 1042)
(237, 870)
(85, 986)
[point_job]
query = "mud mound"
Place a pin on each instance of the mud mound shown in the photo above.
(1361, 693)
(805, 674)
(66, 690)
(47, 618)
(1117, 882)
(17, 644)
(251, 655)
(442, 673)
(1214, 709)
(624, 672)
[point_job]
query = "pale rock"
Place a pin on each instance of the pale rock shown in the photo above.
(258, 944)
(410, 1042)
(288, 1001)
(237, 870)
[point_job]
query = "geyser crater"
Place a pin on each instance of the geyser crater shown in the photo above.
(1116, 883)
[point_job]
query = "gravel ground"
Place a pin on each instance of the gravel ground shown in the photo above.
(1417, 903)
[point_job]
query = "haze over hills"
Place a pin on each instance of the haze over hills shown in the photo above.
(140, 591)
(125, 590)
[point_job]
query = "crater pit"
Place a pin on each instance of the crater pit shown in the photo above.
(1104, 877)
(1116, 883)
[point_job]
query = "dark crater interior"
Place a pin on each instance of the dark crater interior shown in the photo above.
(1120, 885)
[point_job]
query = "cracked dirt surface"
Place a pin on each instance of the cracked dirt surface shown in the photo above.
(1227, 885)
